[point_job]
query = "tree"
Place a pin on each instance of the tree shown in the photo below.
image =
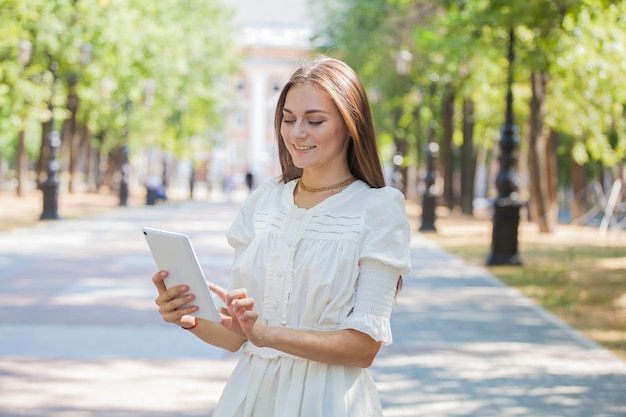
(543, 29)
(185, 49)
(568, 81)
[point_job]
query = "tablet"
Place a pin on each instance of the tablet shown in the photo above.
(173, 252)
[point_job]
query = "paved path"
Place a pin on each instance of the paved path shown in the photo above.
(80, 335)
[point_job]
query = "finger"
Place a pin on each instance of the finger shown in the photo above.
(242, 304)
(176, 316)
(173, 293)
(235, 294)
(157, 279)
(247, 316)
(173, 310)
(221, 292)
(178, 302)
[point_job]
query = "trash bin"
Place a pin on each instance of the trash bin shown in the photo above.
(155, 190)
(151, 196)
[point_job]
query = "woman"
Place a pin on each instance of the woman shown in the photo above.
(319, 256)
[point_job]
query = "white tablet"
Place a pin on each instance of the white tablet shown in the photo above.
(173, 252)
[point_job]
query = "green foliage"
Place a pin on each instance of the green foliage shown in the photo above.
(581, 44)
(588, 89)
(170, 59)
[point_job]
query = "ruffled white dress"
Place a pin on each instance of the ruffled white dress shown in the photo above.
(333, 266)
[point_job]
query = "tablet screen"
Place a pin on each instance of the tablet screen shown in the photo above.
(174, 253)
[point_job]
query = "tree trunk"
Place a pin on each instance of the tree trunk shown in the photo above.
(21, 164)
(100, 161)
(578, 179)
(552, 181)
(468, 159)
(44, 151)
(75, 157)
(83, 163)
(404, 171)
(400, 171)
(70, 139)
(447, 151)
(111, 169)
(419, 147)
(90, 168)
(540, 155)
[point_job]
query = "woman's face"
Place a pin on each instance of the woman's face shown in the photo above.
(313, 131)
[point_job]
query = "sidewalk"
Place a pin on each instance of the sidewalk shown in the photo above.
(80, 335)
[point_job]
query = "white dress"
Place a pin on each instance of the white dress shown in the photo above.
(333, 266)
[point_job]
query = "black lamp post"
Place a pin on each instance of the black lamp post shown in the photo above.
(504, 247)
(50, 187)
(429, 198)
(124, 157)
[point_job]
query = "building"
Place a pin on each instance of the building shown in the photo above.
(275, 39)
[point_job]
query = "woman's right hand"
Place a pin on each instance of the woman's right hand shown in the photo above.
(170, 300)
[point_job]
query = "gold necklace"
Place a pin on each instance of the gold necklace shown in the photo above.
(327, 188)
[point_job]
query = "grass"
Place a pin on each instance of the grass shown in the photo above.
(576, 273)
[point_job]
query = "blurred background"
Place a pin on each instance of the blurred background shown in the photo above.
(494, 118)
(519, 106)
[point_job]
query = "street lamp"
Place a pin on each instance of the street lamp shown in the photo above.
(429, 198)
(50, 187)
(128, 105)
(504, 248)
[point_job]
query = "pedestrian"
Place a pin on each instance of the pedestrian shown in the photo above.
(249, 180)
(319, 257)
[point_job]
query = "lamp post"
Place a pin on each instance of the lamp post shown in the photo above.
(50, 187)
(504, 247)
(429, 198)
(125, 165)
(23, 57)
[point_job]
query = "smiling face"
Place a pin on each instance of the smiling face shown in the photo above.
(314, 133)
(337, 89)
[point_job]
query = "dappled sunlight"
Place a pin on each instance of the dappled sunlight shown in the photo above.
(466, 345)
(80, 335)
(612, 263)
(93, 291)
(40, 387)
(607, 335)
(493, 379)
(620, 302)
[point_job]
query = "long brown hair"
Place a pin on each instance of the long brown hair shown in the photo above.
(343, 86)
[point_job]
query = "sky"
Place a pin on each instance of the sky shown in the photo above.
(273, 12)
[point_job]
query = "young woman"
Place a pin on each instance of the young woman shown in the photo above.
(319, 255)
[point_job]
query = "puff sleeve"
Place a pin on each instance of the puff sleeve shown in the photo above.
(384, 257)
(241, 231)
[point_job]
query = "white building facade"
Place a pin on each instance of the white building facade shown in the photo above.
(275, 39)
